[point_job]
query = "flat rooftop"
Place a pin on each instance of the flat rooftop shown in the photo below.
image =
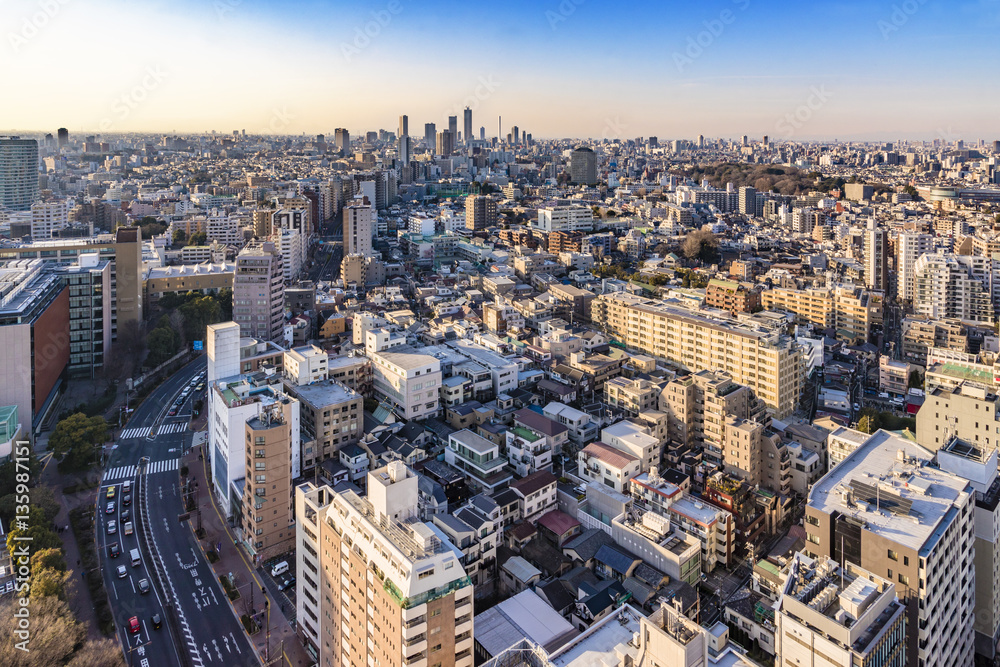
(327, 392)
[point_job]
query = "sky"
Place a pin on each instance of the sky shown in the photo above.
(862, 70)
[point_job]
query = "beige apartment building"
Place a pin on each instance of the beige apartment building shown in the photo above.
(268, 522)
(759, 357)
(632, 395)
(968, 411)
(850, 312)
(921, 334)
(375, 584)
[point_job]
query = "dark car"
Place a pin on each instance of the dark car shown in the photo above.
(126, 499)
(114, 551)
(157, 621)
(288, 583)
(126, 515)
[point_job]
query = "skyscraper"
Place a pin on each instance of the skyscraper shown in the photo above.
(430, 135)
(359, 226)
(18, 173)
(397, 594)
(342, 140)
(909, 247)
(876, 257)
(259, 292)
(404, 126)
(445, 142)
(467, 125)
(403, 150)
(583, 166)
(453, 127)
(748, 200)
(63, 136)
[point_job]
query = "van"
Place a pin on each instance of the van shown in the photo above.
(279, 569)
(127, 486)
(883, 394)
(136, 560)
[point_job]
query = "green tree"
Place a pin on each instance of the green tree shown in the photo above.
(37, 529)
(163, 344)
(49, 575)
(73, 440)
(916, 381)
(198, 314)
(151, 227)
(198, 238)
(870, 420)
(180, 236)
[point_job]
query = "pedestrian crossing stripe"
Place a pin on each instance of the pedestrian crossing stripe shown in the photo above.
(135, 433)
(172, 428)
(128, 472)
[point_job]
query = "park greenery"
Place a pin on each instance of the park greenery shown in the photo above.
(75, 440)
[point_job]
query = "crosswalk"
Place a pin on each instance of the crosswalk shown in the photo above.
(164, 429)
(128, 472)
(135, 433)
(172, 428)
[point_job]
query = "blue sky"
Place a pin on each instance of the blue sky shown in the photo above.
(558, 68)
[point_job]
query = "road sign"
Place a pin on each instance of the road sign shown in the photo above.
(199, 345)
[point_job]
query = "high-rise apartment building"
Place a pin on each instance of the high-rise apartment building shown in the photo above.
(583, 166)
(342, 140)
(849, 312)
(480, 212)
(376, 585)
(259, 292)
(18, 173)
(467, 135)
(763, 359)
(445, 142)
(359, 227)
(453, 128)
(430, 135)
(886, 509)
(222, 347)
(961, 287)
(268, 513)
(876, 253)
(838, 616)
(48, 218)
(909, 248)
(748, 201)
(404, 126)
(566, 219)
(62, 135)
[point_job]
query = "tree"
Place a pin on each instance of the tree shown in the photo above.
(73, 440)
(36, 529)
(54, 633)
(916, 381)
(701, 244)
(163, 343)
(865, 425)
(48, 574)
(151, 227)
(870, 420)
(198, 238)
(198, 314)
(180, 236)
(98, 653)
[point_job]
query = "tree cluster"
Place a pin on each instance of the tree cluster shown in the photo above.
(73, 442)
(151, 227)
(701, 245)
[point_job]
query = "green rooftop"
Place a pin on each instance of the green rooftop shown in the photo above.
(526, 434)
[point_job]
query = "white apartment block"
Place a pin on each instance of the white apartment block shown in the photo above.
(954, 286)
(565, 219)
(909, 248)
(224, 229)
(292, 246)
(886, 509)
(48, 217)
(404, 376)
(603, 464)
(305, 365)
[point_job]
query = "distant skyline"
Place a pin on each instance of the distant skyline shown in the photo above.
(909, 69)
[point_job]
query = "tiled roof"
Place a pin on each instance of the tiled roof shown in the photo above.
(609, 455)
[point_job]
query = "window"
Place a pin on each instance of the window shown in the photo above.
(893, 556)
(903, 579)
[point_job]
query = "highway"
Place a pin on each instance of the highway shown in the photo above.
(198, 629)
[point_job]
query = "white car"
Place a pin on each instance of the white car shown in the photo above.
(112, 528)
(122, 572)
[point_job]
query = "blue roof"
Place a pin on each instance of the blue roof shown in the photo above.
(614, 559)
(536, 408)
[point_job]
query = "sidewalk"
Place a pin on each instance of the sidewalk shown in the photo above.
(235, 560)
(78, 595)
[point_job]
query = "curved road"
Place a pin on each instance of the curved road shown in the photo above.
(199, 628)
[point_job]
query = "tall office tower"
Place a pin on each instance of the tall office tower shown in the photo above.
(62, 135)
(516, 133)
(482, 133)
(18, 173)
(886, 509)
(268, 509)
(259, 292)
(453, 127)
(430, 135)
(128, 278)
(375, 582)
(583, 166)
(701, 141)
(909, 247)
(876, 257)
(467, 125)
(403, 150)
(748, 200)
(445, 143)
(838, 616)
(765, 141)
(480, 212)
(949, 286)
(404, 126)
(359, 227)
(342, 140)
(744, 141)
(222, 347)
